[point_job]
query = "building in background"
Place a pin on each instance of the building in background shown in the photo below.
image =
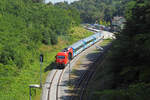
(117, 23)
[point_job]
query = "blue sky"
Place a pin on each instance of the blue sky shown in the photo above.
(54, 1)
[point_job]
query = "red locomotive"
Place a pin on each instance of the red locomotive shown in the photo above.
(63, 57)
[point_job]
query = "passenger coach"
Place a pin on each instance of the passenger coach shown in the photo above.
(63, 57)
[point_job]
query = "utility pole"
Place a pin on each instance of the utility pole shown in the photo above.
(69, 71)
(41, 63)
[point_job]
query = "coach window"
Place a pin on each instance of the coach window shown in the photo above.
(61, 57)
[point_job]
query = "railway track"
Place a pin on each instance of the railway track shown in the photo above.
(53, 87)
(53, 92)
(81, 84)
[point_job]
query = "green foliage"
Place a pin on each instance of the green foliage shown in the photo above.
(73, 12)
(125, 73)
(96, 10)
(32, 23)
(104, 23)
(133, 59)
(24, 26)
(134, 92)
(130, 51)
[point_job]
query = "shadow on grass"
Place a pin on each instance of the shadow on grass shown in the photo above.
(50, 67)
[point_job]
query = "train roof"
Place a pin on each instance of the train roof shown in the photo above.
(81, 42)
(91, 37)
(77, 44)
(88, 38)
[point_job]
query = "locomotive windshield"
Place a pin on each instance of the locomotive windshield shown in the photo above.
(61, 57)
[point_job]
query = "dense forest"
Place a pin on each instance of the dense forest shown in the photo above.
(96, 10)
(25, 26)
(125, 72)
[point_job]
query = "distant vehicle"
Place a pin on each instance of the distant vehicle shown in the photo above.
(63, 57)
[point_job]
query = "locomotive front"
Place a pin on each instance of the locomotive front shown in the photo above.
(61, 59)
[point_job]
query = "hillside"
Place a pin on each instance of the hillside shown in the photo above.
(124, 73)
(100, 10)
(27, 29)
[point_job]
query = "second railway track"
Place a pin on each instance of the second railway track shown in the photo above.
(56, 85)
(81, 84)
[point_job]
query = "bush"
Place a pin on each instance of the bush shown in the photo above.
(133, 92)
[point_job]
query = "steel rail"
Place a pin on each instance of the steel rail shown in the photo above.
(59, 80)
(49, 90)
(52, 80)
(92, 71)
(84, 77)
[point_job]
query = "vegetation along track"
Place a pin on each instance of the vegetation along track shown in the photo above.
(81, 84)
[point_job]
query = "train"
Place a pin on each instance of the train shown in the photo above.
(67, 54)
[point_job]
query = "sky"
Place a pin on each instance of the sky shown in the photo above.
(55, 1)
